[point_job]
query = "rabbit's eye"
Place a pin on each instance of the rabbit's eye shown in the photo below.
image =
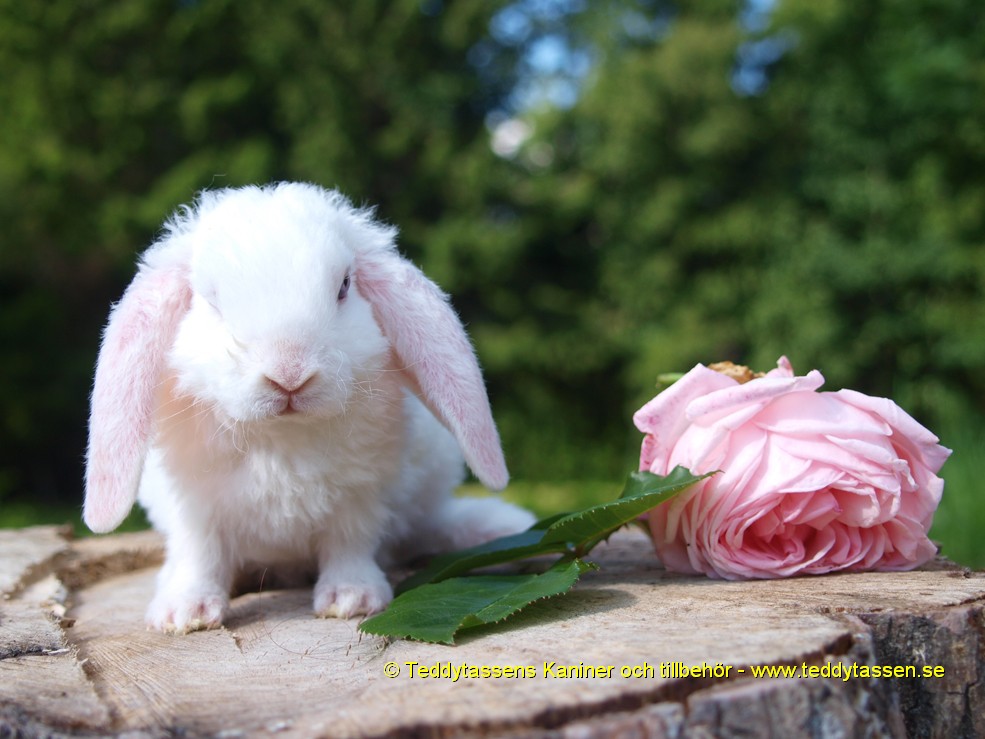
(344, 290)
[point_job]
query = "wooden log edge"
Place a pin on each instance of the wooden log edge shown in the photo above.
(54, 643)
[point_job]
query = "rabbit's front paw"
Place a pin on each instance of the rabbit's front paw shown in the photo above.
(346, 594)
(182, 613)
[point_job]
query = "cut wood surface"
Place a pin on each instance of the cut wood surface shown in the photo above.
(76, 660)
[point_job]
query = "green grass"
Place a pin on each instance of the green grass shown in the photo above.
(16, 515)
(547, 498)
(958, 526)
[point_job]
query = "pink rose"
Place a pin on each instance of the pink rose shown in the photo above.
(810, 482)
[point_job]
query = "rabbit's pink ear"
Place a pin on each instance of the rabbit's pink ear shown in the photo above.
(434, 351)
(141, 329)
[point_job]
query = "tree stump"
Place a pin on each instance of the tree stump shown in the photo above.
(632, 651)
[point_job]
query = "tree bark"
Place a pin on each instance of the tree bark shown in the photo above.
(76, 659)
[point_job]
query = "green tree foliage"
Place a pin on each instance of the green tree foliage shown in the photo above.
(117, 111)
(887, 144)
(832, 212)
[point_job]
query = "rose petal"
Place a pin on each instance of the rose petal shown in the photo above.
(907, 432)
(812, 414)
(816, 510)
(844, 553)
(783, 368)
(721, 403)
(864, 510)
(663, 418)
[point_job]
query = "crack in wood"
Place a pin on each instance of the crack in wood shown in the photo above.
(26, 651)
(28, 560)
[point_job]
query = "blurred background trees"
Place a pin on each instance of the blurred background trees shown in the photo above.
(609, 190)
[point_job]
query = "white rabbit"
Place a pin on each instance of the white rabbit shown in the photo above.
(257, 390)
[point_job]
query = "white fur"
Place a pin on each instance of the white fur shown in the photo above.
(348, 470)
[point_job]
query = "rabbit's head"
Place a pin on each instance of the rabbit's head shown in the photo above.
(275, 305)
(276, 325)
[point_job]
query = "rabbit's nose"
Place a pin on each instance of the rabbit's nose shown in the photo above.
(289, 385)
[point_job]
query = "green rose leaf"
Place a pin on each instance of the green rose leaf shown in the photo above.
(643, 491)
(440, 600)
(574, 532)
(529, 543)
(437, 612)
